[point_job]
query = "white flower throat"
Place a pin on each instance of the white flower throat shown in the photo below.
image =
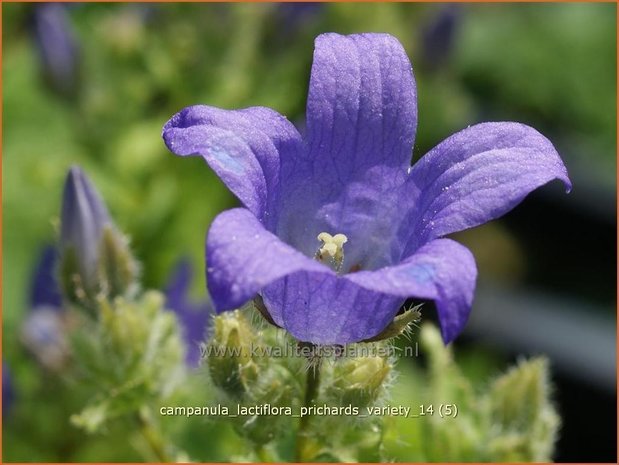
(331, 252)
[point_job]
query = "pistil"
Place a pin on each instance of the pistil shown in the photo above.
(331, 252)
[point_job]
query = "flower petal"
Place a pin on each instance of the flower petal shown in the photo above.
(362, 107)
(361, 121)
(477, 175)
(316, 305)
(243, 257)
(242, 146)
(328, 309)
(441, 270)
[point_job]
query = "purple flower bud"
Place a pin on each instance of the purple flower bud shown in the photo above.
(57, 47)
(84, 217)
(7, 390)
(438, 35)
(95, 259)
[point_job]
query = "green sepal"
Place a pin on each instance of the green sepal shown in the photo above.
(400, 325)
(118, 270)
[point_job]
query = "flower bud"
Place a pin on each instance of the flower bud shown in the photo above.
(57, 47)
(95, 257)
(275, 388)
(228, 353)
(438, 36)
(440, 357)
(359, 381)
(525, 421)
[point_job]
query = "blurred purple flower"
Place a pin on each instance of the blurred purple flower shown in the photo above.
(351, 177)
(292, 15)
(7, 390)
(44, 330)
(44, 290)
(57, 47)
(194, 317)
(438, 34)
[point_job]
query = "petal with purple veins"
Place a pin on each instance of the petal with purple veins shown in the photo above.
(478, 175)
(328, 309)
(361, 108)
(242, 257)
(242, 146)
(361, 121)
(441, 270)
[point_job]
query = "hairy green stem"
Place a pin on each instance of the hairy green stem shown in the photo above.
(264, 454)
(153, 438)
(311, 393)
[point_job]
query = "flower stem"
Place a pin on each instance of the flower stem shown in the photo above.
(264, 455)
(311, 393)
(152, 437)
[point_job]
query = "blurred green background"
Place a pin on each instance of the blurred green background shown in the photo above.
(97, 89)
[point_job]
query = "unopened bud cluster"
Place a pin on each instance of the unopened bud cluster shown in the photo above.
(241, 357)
(245, 378)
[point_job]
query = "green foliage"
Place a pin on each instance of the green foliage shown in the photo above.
(510, 419)
(131, 358)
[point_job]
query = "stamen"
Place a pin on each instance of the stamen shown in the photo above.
(332, 250)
